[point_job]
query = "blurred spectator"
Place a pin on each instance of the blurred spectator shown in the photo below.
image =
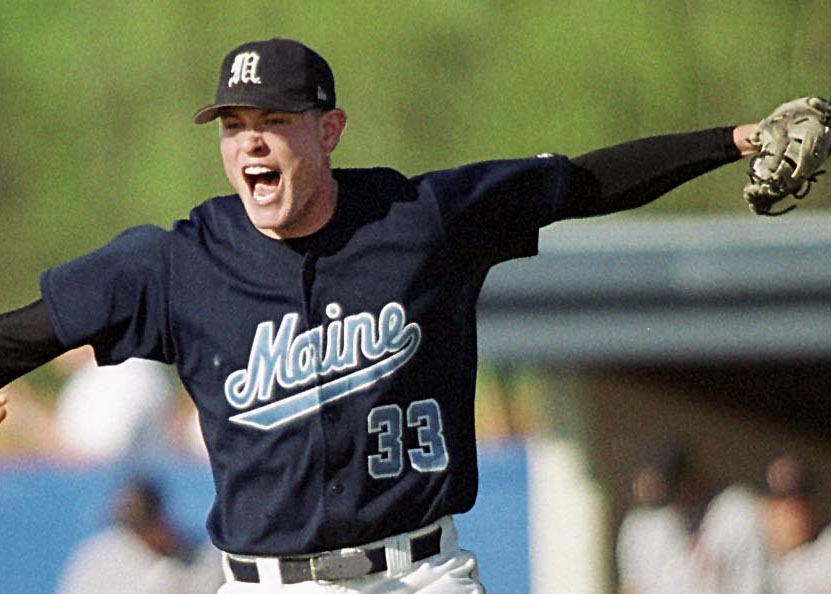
(105, 413)
(766, 541)
(140, 553)
(800, 552)
(730, 551)
(654, 548)
(787, 511)
(805, 569)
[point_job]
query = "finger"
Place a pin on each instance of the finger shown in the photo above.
(820, 104)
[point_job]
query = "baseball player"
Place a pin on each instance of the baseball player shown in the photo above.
(323, 321)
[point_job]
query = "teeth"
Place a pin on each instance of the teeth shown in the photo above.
(257, 170)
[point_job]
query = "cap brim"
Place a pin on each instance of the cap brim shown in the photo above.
(211, 112)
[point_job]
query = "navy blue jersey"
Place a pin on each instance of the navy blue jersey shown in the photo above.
(334, 374)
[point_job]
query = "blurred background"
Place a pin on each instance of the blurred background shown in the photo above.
(688, 320)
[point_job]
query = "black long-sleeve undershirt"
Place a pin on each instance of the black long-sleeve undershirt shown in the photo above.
(604, 181)
(635, 173)
(27, 341)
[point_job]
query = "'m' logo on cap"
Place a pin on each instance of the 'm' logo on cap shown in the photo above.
(244, 69)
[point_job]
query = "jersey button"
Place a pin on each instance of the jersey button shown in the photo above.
(333, 416)
(337, 488)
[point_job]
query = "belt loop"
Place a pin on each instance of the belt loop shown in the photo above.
(226, 568)
(449, 538)
(269, 570)
(397, 550)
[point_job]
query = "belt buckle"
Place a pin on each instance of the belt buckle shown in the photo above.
(340, 566)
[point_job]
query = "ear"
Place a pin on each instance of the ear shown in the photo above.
(332, 125)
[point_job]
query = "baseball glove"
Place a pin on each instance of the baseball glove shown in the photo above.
(794, 142)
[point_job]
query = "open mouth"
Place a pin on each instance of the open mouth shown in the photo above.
(262, 181)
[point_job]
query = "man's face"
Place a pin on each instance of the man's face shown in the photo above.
(278, 162)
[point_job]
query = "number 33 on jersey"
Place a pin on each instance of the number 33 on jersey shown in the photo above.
(290, 360)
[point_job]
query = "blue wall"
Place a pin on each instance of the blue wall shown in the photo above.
(45, 511)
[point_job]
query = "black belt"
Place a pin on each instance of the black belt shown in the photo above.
(336, 565)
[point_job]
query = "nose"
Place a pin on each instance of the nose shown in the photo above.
(252, 142)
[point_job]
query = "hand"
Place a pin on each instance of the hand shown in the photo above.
(741, 138)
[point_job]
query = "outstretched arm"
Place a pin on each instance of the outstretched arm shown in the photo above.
(27, 341)
(635, 173)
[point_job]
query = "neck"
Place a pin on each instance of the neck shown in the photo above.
(329, 200)
(324, 209)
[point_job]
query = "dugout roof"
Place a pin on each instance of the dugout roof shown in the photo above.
(629, 290)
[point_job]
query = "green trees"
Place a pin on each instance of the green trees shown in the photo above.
(97, 97)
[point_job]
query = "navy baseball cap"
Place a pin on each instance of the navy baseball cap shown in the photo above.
(275, 74)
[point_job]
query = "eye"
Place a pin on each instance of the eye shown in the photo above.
(231, 124)
(276, 120)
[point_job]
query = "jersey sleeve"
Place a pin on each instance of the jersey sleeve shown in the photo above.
(114, 298)
(494, 209)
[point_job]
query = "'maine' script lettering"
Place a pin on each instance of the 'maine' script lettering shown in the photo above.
(291, 359)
